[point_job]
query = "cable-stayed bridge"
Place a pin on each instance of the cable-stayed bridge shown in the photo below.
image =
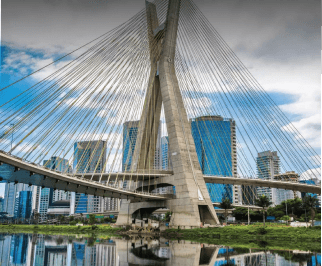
(160, 101)
(31, 174)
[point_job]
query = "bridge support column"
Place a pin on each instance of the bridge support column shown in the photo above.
(192, 205)
(127, 209)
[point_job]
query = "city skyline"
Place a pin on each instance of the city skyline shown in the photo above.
(140, 132)
(288, 26)
(261, 50)
(194, 75)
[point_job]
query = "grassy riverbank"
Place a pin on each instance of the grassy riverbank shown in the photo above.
(276, 236)
(255, 237)
(252, 232)
(59, 229)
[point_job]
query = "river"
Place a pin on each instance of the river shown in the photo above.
(38, 250)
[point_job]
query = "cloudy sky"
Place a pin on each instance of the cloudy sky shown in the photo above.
(279, 42)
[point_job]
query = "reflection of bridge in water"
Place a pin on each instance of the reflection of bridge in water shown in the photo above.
(39, 250)
(178, 252)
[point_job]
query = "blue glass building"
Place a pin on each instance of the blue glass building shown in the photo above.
(11, 190)
(24, 207)
(47, 195)
(1, 204)
(215, 141)
(130, 132)
(166, 164)
(19, 248)
(304, 194)
(89, 157)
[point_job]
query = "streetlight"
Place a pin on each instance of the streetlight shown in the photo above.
(12, 125)
(285, 201)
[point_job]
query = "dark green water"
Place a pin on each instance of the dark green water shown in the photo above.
(28, 249)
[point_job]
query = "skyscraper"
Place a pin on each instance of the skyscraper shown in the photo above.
(89, 157)
(1, 204)
(11, 193)
(49, 196)
(130, 132)
(11, 197)
(215, 141)
(268, 165)
(23, 208)
(248, 194)
(165, 153)
(283, 194)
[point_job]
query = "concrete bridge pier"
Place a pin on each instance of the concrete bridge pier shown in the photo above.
(128, 209)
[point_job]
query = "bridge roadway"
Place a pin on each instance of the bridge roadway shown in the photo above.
(264, 183)
(164, 210)
(33, 174)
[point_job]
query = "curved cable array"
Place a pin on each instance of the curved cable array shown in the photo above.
(87, 112)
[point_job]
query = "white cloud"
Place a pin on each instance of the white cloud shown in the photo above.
(311, 174)
(197, 106)
(61, 26)
(309, 128)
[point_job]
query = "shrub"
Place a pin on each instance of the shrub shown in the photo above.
(73, 223)
(262, 231)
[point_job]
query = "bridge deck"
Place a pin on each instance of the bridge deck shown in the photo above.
(87, 183)
(33, 174)
(264, 183)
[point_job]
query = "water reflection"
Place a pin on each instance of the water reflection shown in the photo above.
(37, 250)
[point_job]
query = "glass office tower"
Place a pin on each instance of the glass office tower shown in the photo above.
(215, 141)
(165, 152)
(130, 132)
(89, 157)
(23, 208)
(48, 196)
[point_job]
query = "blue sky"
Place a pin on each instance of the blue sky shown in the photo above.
(278, 41)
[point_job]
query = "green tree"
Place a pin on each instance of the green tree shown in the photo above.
(276, 212)
(310, 202)
(286, 218)
(59, 240)
(61, 218)
(36, 217)
(225, 204)
(240, 213)
(263, 202)
(92, 219)
(167, 216)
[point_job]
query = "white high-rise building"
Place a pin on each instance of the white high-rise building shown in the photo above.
(282, 194)
(268, 165)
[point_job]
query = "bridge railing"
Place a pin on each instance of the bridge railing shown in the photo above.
(115, 185)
